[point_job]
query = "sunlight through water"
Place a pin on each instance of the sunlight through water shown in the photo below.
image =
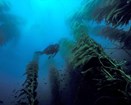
(66, 6)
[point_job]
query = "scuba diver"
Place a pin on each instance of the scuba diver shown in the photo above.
(51, 50)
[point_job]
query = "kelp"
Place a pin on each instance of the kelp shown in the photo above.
(115, 35)
(28, 95)
(114, 12)
(54, 78)
(65, 50)
(9, 24)
(94, 78)
(103, 80)
(119, 35)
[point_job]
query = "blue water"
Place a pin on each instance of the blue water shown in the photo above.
(41, 23)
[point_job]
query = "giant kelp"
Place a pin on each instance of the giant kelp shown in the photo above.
(115, 13)
(9, 24)
(115, 35)
(54, 77)
(102, 79)
(28, 95)
(92, 77)
(112, 11)
(65, 50)
(119, 35)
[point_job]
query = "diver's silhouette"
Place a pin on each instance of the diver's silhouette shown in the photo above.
(51, 50)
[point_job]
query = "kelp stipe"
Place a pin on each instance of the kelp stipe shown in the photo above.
(94, 78)
(102, 79)
(55, 85)
(114, 13)
(66, 46)
(28, 94)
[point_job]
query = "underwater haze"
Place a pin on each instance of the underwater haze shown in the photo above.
(41, 23)
(33, 29)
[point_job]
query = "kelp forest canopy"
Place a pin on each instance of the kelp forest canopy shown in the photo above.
(90, 75)
(9, 24)
(116, 16)
(114, 12)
